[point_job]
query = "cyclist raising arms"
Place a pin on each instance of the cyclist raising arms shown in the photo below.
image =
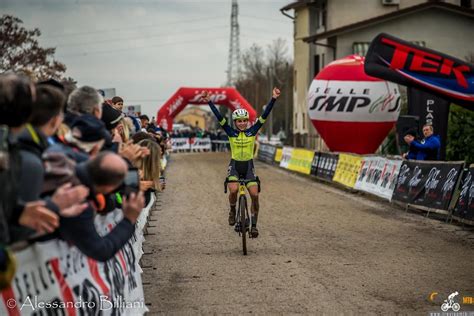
(242, 142)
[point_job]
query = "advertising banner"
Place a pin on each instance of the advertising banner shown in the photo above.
(229, 97)
(378, 176)
(200, 143)
(266, 153)
(347, 169)
(352, 111)
(465, 204)
(314, 163)
(399, 61)
(278, 154)
(54, 278)
(180, 144)
(286, 157)
(301, 160)
(327, 164)
(431, 110)
(427, 183)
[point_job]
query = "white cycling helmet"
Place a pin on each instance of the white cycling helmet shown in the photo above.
(240, 114)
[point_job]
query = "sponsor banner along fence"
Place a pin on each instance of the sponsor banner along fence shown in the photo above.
(200, 143)
(181, 144)
(327, 163)
(266, 153)
(378, 176)
(347, 169)
(427, 184)
(314, 163)
(278, 154)
(301, 160)
(54, 278)
(465, 204)
(430, 184)
(286, 157)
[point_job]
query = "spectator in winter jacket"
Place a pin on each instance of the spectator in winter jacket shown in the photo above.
(428, 148)
(45, 119)
(84, 100)
(17, 95)
(102, 175)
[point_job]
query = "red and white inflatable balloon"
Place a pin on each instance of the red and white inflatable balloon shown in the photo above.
(352, 111)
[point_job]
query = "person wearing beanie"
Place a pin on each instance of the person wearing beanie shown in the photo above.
(111, 116)
(88, 133)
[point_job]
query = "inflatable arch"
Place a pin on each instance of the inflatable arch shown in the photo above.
(228, 97)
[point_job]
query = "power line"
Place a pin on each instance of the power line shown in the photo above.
(136, 48)
(142, 37)
(133, 27)
(283, 20)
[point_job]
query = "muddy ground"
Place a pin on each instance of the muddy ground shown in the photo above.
(321, 250)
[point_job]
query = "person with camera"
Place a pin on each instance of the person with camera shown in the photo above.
(426, 149)
(102, 174)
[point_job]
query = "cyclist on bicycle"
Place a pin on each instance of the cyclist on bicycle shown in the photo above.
(242, 142)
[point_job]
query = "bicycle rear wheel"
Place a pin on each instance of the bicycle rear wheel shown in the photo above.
(242, 219)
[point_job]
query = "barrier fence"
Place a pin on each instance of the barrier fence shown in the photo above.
(196, 144)
(55, 278)
(442, 187)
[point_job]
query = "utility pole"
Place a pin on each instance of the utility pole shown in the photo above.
(233, 66)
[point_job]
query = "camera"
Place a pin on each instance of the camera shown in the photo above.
(131, 183)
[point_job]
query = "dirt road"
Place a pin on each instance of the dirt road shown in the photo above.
(320, 250)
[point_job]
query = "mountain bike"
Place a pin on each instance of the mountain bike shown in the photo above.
(243, 220)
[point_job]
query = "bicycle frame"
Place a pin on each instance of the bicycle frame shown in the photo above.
(242, 214)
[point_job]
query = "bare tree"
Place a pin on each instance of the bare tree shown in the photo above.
(21, 53)
(261, 71)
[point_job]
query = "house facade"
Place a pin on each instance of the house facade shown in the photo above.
(325, 30)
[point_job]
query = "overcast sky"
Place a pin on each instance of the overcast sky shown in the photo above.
(147, 49)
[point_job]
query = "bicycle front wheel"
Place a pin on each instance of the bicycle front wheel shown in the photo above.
(243, 220)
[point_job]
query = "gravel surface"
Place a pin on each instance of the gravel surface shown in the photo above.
(320, 251)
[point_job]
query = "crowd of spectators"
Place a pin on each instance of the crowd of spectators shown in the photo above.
(65, 159)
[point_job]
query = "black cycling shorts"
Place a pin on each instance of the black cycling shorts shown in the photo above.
(242, 170)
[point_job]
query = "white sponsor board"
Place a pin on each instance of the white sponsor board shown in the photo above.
(180, 144)
(187, 144)
(378, 176)
(286, 157)
(54, 278)
(200, 143)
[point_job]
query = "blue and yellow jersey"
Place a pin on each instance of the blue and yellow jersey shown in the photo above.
(242, 143)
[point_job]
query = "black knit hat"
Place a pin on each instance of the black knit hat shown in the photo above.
(89, 128)
(110, 116)
(412, 132)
